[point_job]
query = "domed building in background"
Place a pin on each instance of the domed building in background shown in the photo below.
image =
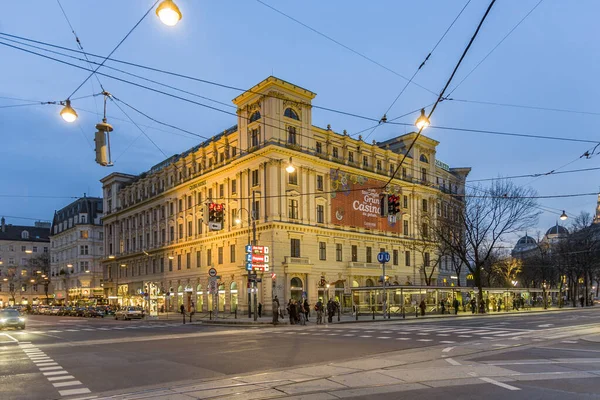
(555, 234)
(524, 246)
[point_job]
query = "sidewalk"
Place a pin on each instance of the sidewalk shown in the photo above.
(230, 319)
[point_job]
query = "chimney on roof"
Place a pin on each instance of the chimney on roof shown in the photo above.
(3, 224)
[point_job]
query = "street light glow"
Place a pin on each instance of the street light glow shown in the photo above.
(68, 113)
(563, 216)
(422, 122)
(28, 251)
(69, 265)
(111, 257)
(238, 221)
(290, 167)
(168, 13)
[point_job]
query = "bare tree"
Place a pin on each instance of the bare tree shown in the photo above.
(41, 263)
(431, 250)
(488, 216)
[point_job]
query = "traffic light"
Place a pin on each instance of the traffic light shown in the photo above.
(391, 204)
(397, 205)
(102, 153)
(216, 216)
(384, 207)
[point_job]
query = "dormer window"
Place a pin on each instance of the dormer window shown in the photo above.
(25, 235)
(424, 159)
(255, 116)
(291, 114)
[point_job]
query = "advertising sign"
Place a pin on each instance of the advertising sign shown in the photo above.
(257, 258)
(356, 202)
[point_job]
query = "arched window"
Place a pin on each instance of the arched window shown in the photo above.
(369, 282)
(296, 283)
(255, 116)
(355, 284)
(291, 114)
(296, 288)
(25, 235)
(424, 158)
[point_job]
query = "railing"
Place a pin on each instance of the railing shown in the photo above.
(297, 260)
(353, 264)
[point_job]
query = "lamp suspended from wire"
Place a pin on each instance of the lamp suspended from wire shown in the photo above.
(68, 113)
(563, 216)
(422, 122)
(168, 13)
(290, 167)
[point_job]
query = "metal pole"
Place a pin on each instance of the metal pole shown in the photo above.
(384, 301)
(255, 286)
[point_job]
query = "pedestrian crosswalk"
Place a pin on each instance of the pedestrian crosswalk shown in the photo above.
(75, 328)
(416, 333)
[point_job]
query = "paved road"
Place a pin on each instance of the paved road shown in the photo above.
(58, 357)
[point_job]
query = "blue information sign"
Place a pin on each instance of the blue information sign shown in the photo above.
(383, 257)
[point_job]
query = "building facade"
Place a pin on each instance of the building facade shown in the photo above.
(321, 222)
(77, 251)
(20, 282)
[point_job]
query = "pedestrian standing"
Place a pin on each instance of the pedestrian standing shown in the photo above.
(301, 314)
(319, 310)
(443, 306)
(291, 309)
(306, 309)
(455, 304)
(259, 310)
(473, 306)
(192, 311)
(275, 311)
(182, 309)
(422, 306)
(581, 301)
(330, 310)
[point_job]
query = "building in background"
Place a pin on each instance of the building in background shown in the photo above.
(21, 281)
(321, 222)
(76, 252)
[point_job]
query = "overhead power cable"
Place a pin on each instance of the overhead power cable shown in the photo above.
(495, 47)
(344, 46)
(491, 103)
(390, 122)
(441, 95)
(384, 118)
(553, 172)
(113, 50)
(183, 76)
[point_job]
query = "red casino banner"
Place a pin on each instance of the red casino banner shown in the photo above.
(356, 202)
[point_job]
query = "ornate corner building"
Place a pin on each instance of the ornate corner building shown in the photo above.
(77, 251)
(321, 222)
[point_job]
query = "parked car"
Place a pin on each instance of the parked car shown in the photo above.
(129, 313)
(54, 310)
(94, 312)
(11, 318)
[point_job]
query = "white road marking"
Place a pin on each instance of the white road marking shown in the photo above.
(48, 364)
(60, 378)
(366, 336)
(349, 334)
(70, 392)
(51, 368)
(423, 334)
(71, 330)
(402, 338)
(63, 384)
(503, 385)
(447, 341)
(452, 361)
(442, 334)
(488, 337)
(569, 341)
(424, 340)
(383, 337)
(54, 373)
(465, 336)
(447, 349)
(54, 331)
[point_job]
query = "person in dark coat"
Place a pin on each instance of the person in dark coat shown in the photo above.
(330, 310)
(455, 304)
(306, 309)
(275, 311)
(182, 309)
(422, 306)
(259, 310)
(292, 312)
(473, 305)
(443, 306)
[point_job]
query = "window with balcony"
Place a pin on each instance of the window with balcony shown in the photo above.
(254, 137)
(354, 253)
(293, 177)
(322, 251)
(293, 209)
(320, 214)
(295, 247)
(338, 252)
(292, 136)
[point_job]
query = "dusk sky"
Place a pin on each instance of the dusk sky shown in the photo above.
(551, 61)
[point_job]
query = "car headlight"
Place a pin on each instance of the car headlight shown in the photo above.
(21, 319)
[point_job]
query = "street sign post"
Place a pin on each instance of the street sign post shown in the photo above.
(384, 257)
